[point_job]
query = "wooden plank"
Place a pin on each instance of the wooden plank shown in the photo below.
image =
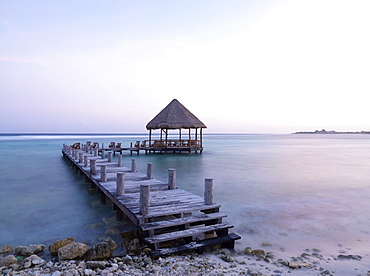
(175, 210)
(129, 188)
(225, 239)
(180, 221)
(187, 233)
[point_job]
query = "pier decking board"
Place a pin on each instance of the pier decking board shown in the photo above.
(169, 209)
(187, 233)
(225, 241)
(181, 221)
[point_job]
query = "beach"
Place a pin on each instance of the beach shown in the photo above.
(219, 262)
(285, 194)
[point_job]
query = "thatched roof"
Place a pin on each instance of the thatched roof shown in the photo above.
(175, 116)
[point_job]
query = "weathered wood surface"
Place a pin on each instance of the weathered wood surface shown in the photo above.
(187, 233)
(160, 206)
(180, 221)
(225, 241)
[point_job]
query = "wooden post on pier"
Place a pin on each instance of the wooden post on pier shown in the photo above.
(121, 183)
(208, 192)
(144, 199)
(103, 154)
(96, 152)
(86, 160)
(93, 166)
(171, 179)
(120, 160)
(103, 173)
(133, 165)
(110, 156)
(81, 157)
(149, 171)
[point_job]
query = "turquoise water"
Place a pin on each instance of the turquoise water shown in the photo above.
(292, 191)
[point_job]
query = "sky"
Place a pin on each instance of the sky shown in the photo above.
(241, 66)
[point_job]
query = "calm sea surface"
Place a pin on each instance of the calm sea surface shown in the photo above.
(292, 191)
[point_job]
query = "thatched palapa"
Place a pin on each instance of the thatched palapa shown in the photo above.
(176, 116)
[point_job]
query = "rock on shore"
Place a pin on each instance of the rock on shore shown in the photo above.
(53, 248)
(79, 259)
(72, 251)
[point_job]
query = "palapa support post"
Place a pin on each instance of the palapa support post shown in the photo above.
(93, 166)
(208, 192)
(120, 160)
(144, 199)
(86, 161)
(103, 173)
(110, 156)
(149, 171)
(171, 179)
(121, 183)
(81, 157)
(133, 165)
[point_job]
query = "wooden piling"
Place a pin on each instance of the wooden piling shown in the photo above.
(121, 183)
(93, 166)
(144, 199)
(103, 173)
(103, 154)
(208, 192)
(110, 156)
(171, 179)
(81, 157)
(133, 165)
(120, 160)
(86, 160)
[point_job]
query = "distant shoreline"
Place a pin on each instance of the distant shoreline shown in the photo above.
(331, 132)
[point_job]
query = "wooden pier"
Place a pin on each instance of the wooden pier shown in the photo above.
(167, 219)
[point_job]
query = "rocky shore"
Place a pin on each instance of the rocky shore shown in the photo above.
(70, 258)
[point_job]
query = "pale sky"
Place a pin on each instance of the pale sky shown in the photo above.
(252, 66)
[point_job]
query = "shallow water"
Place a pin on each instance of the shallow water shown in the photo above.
(292, 191)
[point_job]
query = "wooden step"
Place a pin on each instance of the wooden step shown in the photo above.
(181, 221)
(225, 241)
(187, 233)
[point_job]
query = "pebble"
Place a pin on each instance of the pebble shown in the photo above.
(221, 262)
